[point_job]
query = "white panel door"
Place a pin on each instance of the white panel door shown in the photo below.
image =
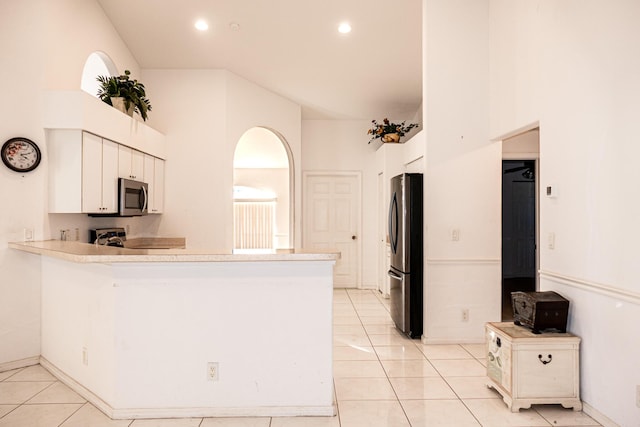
(331, 219)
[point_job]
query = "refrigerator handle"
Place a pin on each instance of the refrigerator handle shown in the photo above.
(393, 214)
(393, 274)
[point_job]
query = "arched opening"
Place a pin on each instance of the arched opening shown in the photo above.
(97, 64)
(263, 192)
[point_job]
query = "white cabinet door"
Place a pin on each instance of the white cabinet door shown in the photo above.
(124, 162)
(99, 174)
(91, 173)
(64, 147)
(130, 163)
(158, 187)
(148, 177)
(109, 176)
(137, 165)
(154, 176)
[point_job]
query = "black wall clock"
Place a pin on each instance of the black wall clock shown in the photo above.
(21, 154)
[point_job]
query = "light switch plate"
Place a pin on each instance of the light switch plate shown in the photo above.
(551, 242)
(551, 191)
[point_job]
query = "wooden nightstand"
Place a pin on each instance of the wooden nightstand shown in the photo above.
(527, 368)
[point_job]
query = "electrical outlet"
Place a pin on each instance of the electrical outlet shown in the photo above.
(85, 356)
(76, 235)
(212, 371)
(455, 234)
(28, 234)
(638, 396)
(465, 314)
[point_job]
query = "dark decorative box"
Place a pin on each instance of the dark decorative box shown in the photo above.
(540, 310)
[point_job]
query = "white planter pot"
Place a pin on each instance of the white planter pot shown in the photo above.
(118, 103)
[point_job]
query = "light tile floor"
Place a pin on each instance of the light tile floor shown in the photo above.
(382, 379)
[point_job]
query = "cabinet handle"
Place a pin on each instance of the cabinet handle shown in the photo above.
(544, 362)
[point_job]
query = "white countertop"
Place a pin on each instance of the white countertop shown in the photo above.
(89, 253)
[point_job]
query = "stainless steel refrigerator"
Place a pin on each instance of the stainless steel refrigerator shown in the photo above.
(405, 239)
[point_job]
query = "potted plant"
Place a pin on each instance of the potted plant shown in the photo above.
(389, 132)
(124, 93)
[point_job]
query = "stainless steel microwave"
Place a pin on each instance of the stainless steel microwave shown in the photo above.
(133, 197)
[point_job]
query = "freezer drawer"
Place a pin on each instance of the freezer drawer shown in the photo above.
(405, 293)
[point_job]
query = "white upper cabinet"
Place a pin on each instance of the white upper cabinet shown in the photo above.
(99, 175)
(84, 169)
(130, 163)
(154, 176)
(64, 149)
(158, 187)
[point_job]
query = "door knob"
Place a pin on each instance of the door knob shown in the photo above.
(353, 237)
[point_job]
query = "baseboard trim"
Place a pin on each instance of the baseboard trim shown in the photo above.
(135, 413)
(17, 364)
(598, 416)
(210, 412)
(427, 340)
(90, 396)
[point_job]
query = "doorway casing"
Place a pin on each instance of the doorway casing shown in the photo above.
(523, 145)
(291, 174)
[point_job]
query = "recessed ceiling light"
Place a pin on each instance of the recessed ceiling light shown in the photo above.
(344, 28)
(201, 25)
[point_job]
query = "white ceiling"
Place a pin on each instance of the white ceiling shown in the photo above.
(291, 47)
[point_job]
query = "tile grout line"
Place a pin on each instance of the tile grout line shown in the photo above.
(382, 365)
(72, 414)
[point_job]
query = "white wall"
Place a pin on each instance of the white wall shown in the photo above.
(38, 52)
(189, 108)
(249, 105)
(203, 114)
(331, 145)
(462, 187)
(75, 29)
(23, 197)
(573, 66)
(522, 146)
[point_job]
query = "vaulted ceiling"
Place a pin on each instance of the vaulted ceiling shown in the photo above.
(291, 47)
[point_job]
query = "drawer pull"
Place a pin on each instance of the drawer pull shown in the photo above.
(544, 362)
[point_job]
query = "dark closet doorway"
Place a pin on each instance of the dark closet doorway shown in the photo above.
(518, 230)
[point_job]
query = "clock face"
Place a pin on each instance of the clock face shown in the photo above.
(20, 154)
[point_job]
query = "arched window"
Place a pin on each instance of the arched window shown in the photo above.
(97, 64)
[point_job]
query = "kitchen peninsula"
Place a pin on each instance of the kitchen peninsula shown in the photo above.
(178, 333)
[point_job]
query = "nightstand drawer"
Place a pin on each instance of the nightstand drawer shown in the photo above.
(546, 373)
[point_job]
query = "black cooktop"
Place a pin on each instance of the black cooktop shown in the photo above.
(114, 236)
